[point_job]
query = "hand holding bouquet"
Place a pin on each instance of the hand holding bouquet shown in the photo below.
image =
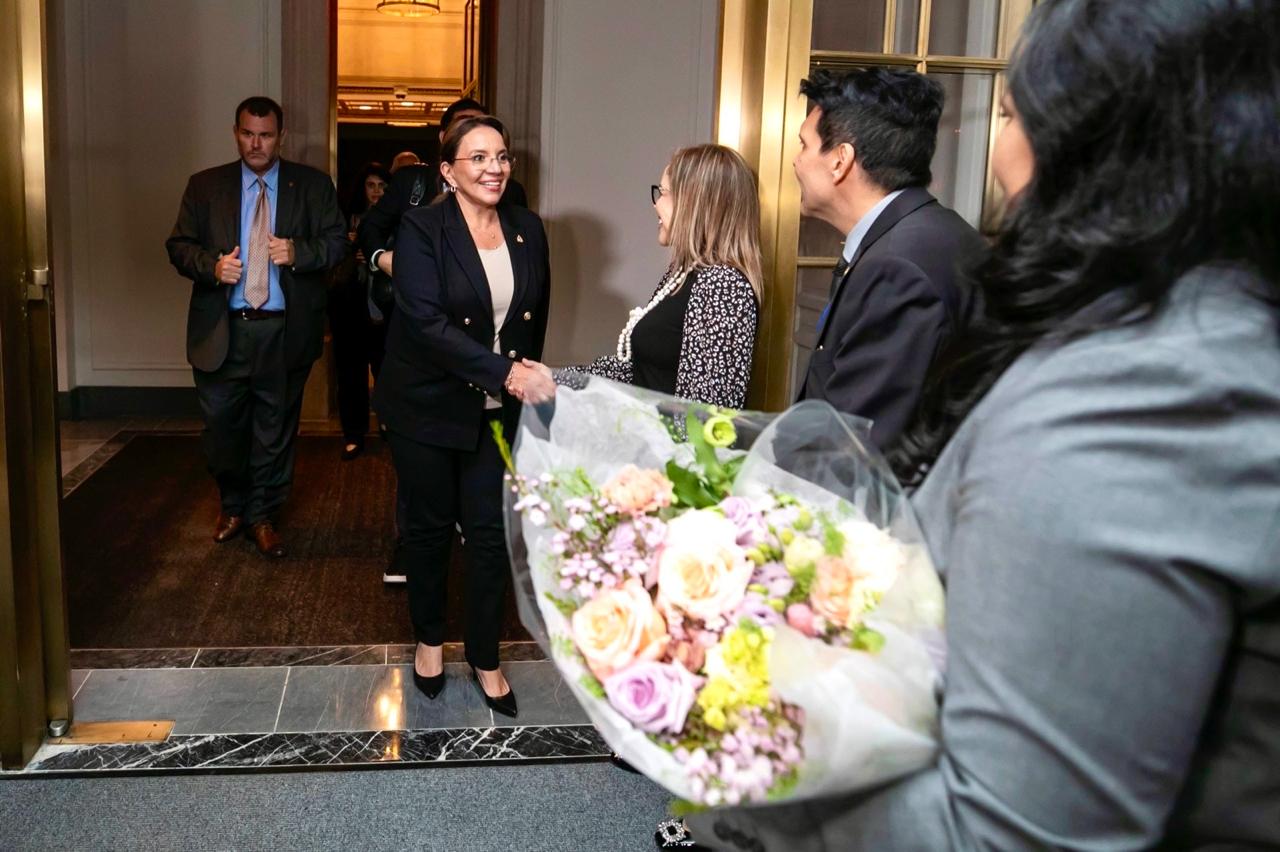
(742, 625)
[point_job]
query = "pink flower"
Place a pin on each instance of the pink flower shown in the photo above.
(655, 697)
(748, 520)
(637, 491)
(800, 617)
(617, 628)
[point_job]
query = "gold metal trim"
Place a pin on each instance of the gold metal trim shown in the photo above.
(890, 24)
(851, 58)
(816, 262)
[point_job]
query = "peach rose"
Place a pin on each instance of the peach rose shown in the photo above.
(702, 571)
(845, 587)
(618, 627)
(637, 491)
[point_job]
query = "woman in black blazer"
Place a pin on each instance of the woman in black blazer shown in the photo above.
(471, 286)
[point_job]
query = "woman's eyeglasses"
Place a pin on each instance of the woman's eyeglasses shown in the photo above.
(480, 161)
(656, 192)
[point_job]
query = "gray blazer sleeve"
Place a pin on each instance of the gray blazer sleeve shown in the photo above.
(1108, 518)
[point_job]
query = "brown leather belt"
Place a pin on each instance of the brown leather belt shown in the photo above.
(255, 314)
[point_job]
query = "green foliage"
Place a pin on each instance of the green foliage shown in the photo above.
(504, 449)
(567, 608)
(832, 538)
(589, 682)
(690, 489)
(681, 808)
(866, 639)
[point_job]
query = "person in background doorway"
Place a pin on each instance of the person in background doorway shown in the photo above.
(404, 158)
(356, 323)
(257, 238)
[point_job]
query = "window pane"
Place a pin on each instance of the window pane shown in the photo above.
(960, 161)
(964, 27)
(818, 239)
(906, 32)
(813, 289)
(855, 25)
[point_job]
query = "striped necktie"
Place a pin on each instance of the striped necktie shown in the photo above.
(257, 285)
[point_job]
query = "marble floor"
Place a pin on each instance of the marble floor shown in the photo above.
(272, 708)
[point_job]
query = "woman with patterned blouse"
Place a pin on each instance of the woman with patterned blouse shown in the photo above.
(694, 338)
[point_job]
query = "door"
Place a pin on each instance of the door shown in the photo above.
(34, 664)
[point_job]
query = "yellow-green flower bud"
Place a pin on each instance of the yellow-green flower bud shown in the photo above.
(803, 552)
(804, 520)
(719, 431)
(786, 536)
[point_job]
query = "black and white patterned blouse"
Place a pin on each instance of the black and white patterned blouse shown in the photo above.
(710, 321)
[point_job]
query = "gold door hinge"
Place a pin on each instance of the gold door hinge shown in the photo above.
(38, 285)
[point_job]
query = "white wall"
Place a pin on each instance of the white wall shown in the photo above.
(624, 85)
(142, 95)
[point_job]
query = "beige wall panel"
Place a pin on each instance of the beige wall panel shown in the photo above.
(144, 94)
(624, 85)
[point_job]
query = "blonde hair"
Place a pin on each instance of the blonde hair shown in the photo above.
(715, 212)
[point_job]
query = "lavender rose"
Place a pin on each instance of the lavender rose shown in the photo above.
(655, 697)
(748, 520)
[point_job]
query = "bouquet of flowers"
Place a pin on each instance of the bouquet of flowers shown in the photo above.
(741, 602)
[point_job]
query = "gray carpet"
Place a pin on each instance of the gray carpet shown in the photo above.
(580, 807)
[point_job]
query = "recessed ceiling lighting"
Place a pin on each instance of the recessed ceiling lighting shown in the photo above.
(408, 103)
(364, 107)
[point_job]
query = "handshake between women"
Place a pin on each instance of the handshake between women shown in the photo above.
(531, 382)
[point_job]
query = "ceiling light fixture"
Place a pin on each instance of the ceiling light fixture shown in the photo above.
(409, 8)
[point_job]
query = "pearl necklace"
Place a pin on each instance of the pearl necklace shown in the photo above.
(633, 319)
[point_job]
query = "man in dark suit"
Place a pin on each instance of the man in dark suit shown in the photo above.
(866, 148)
(257, 238)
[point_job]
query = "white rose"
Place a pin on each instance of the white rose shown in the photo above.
(702, 571)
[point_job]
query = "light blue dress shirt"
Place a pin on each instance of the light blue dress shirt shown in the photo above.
(859, 232)
(249, 200)
(854, 241)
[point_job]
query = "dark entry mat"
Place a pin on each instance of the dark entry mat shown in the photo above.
(143, 572)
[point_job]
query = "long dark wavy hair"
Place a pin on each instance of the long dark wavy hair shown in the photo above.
(1155, 128)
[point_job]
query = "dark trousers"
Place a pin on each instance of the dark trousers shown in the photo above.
(358, 347)
(441, 487)
(251, 406)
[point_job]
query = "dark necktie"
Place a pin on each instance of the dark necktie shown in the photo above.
(842, 266)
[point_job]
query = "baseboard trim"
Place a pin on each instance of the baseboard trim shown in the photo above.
(85, 403)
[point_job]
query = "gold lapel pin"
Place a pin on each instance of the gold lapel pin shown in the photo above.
(519, 238)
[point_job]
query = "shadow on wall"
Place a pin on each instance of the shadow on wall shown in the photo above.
(585, 316)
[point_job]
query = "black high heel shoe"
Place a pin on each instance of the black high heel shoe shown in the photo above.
(504, 704)
(429, 686)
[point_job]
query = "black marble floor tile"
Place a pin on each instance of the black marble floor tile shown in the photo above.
(543, 696)
(199, 701)
(373, 698)
(281, 750)
(133, 658)
(453, 652)
(342, 655)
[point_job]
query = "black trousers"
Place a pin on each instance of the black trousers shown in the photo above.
(441, 487)
(251, 406)
(358, 347)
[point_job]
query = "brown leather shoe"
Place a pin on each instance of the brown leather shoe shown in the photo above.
(228, 527)
(269, 543)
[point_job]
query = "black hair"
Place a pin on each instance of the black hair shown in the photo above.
(889, 116)
(357, 200)
(261, 106)
(456, 107)
(1153, 130)
(453, 138)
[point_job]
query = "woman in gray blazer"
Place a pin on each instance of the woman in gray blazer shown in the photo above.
(1102, 451)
